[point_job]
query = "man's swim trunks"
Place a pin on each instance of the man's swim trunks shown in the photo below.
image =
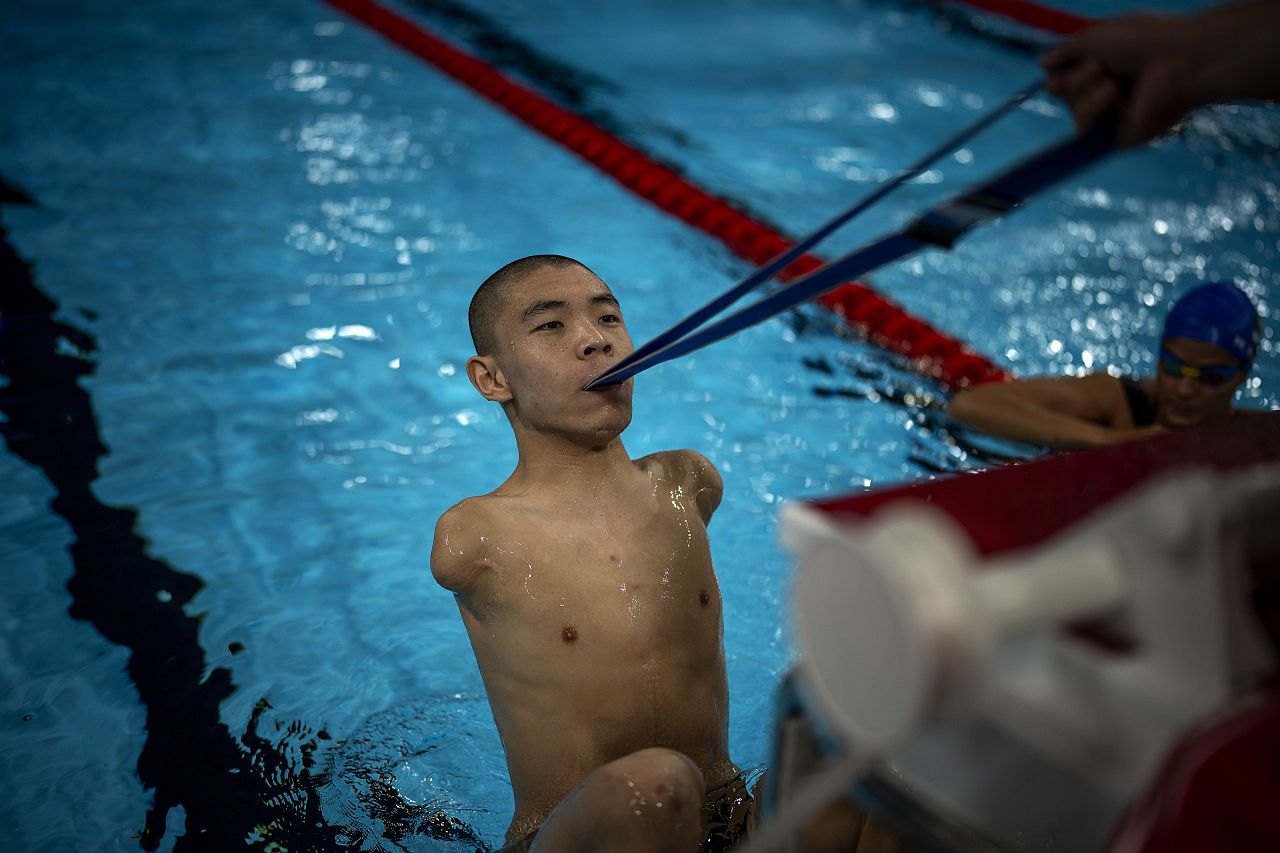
(728, 812)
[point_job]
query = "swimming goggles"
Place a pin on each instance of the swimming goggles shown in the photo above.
(1214, 376)
(939, 227)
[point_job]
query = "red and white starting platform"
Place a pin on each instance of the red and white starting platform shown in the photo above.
(1073, 653)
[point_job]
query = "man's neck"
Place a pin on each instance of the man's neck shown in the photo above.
(565, 462)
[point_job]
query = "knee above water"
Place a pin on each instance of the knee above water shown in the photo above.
(666, 776)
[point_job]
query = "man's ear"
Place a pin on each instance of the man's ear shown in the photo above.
(484, 373)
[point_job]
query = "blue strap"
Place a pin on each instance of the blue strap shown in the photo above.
(941, 227)
(782, 261)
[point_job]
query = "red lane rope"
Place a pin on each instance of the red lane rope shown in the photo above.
(1031, 14)
(932, 352)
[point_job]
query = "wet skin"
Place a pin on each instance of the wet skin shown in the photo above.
(585, 580)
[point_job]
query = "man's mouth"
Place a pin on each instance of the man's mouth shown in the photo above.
(612, 386)
(604, 389)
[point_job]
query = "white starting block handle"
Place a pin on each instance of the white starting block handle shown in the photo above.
(1066, 585)
(897, 625)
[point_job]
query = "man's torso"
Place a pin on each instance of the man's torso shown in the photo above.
(597, 628)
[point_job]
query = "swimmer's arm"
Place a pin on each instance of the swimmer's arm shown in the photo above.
(458, 554)
(1063, 411)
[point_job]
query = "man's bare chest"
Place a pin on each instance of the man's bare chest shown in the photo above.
(582, 577)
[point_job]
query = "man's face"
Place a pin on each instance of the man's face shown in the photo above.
(1184, 401)
(560, 328)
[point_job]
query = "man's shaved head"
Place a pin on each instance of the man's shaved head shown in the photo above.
(492, 296)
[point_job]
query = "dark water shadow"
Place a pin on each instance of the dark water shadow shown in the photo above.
(257, 791)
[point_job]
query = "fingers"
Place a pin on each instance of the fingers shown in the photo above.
(1090, 106)
(1070, 50)
(1088, 89)
(1122, 44)
(1153, 108)
(1063, 55)
(1073, 81)
(1091, 43)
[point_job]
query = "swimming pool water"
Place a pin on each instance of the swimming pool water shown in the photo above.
(270, 222)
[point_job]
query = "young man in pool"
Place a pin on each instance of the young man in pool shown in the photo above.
(586, 587)
(1209, 343)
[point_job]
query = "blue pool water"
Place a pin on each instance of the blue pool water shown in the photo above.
(269, 221)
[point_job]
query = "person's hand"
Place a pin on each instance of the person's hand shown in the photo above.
(1133, 66)
(1151, 70)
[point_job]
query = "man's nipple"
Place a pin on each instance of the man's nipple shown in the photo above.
(703, 597)
(569, 634)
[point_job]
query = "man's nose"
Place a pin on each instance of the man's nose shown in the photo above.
(1185, 386)
(593, 342)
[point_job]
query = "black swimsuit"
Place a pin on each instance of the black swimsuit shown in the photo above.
(1140, 405)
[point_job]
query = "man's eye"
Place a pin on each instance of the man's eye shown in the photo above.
(550, 324)
(610, 318)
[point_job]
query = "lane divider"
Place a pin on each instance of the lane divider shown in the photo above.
(932, 352)
(1030, 14)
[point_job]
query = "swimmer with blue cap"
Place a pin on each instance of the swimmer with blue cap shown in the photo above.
(1209, 343)
(1207, 349)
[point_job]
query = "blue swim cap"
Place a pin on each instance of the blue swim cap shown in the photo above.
(1220, 314)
